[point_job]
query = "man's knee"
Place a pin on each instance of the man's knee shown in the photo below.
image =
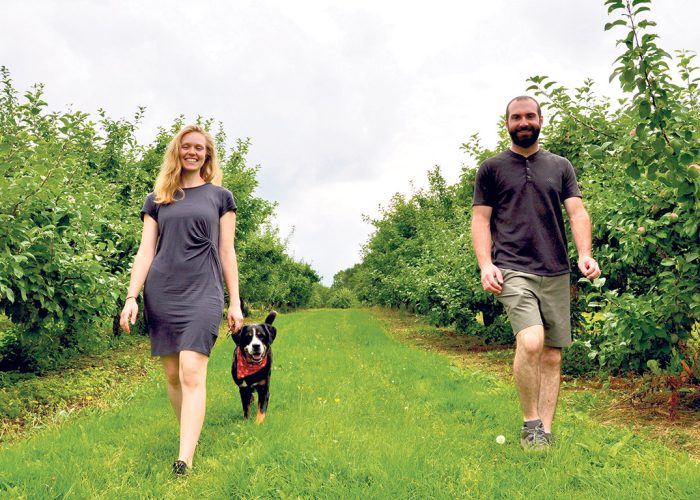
(551, 358)
(530, 341)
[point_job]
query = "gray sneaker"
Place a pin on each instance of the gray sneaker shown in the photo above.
(533, 438)
(549, 437)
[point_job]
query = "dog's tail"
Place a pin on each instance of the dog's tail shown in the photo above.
(270, 317)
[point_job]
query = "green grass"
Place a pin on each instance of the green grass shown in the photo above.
(352, 413)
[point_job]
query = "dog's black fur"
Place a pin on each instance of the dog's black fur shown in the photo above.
(249, 347)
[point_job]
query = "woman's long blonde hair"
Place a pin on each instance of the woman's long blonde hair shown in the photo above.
(169, 181)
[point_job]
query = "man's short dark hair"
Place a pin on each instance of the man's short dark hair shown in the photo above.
(522, 98)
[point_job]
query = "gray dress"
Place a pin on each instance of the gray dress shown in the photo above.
(183, 294)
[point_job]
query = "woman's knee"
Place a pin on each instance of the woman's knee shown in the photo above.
(192, 379)
(193, 369)
(171, 367)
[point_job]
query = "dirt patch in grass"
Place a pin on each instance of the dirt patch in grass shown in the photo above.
(619, 401)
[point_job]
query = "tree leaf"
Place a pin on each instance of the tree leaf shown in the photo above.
(644, 109)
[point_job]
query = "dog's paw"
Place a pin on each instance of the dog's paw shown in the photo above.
(260, 418)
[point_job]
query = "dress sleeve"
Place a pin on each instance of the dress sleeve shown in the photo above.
(570, 187)
(228, 204)
(483, 187)
(150, 207)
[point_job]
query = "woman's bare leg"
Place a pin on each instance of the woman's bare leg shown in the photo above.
(171, 366)
(193, 378)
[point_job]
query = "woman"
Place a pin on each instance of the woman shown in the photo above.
(186, 246)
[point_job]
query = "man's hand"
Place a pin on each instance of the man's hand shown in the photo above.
(492, 279)
(589, 267)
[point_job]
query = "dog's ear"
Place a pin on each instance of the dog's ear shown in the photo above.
(271, 332)
(236, 337)
(270, 317)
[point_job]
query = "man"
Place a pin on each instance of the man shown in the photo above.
(520, 242)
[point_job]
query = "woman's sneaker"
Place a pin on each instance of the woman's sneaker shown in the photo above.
(180, 468)
(532, 436)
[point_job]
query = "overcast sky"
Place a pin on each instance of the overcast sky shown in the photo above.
(346, 102)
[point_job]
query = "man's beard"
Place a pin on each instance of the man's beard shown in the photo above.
(527, 141)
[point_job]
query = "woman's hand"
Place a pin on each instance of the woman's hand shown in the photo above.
(129, 313)
(235, 318)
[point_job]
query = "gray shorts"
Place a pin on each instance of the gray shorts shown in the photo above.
(538, 300)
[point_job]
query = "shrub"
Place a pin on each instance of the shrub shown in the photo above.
(579, 359)
(342, 298)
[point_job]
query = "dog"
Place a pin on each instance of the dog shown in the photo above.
(252, 364)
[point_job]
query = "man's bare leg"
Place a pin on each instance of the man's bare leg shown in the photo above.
(526, 367)
(550, 377)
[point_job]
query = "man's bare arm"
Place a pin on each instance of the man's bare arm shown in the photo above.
(581, 230)
(491, 277)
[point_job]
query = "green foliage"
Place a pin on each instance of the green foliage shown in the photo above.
(340, 295)
(578, 359)
(56, 280)
(269, 277)
(241, 179)
(342, 298)
(70, 196)
(319, 296)
(420, 259)
(637, 164)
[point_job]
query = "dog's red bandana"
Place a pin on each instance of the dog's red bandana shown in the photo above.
(244, 368)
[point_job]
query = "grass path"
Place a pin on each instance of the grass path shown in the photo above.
(353, 413)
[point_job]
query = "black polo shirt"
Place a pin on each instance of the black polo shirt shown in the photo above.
(526, 194)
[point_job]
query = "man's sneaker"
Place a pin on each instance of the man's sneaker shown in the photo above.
(549, 437)
(533, 438)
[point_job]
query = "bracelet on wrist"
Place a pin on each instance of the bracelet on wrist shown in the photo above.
(130, 297)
